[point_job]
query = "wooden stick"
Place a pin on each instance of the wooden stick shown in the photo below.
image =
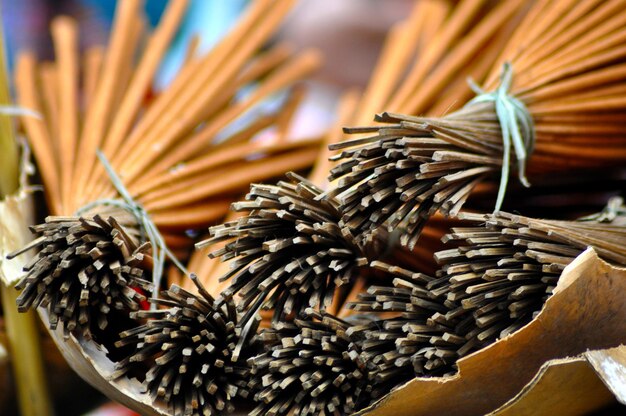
(92, 67)
(65, 37)
(37, 134)
(99, 114)
(50, 101)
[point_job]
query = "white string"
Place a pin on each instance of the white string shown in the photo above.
(516, 124)
(147, 227)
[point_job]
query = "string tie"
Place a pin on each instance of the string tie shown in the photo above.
(148, 229)
(516, 124)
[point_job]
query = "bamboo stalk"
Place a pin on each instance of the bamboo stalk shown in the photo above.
(26, 357)
(9, 159)
(25, 347)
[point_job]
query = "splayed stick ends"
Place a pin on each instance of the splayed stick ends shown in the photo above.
(288, 252)
(507, 268)
(311, 367)
(191, 354)
(405, 172)
(87, 269)
(408, 340)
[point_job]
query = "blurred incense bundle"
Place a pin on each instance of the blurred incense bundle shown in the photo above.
(168, 149)
(556, 104)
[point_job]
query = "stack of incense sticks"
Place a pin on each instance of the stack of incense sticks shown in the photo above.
(168, 151)
(560, 92)
(420, 342)
(190, 353)
(353, 304)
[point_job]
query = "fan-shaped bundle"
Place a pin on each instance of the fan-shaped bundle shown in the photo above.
(554, 101)
(311, 366)
(167, 150)
(190, 352)
(290, 252)
(507, 266)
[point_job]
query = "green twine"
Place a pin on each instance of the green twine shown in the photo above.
(516, 124)
(148, 229)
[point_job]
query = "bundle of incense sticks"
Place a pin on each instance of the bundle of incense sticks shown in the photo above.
(289, 252)
(501, 277)
(555, 100)
(169, 150)
(405, 341)
(310, 367)
(97, 272)
(486, 289)
(190, 354)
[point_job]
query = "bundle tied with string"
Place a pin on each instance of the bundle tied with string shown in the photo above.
(94, 265)
(378, 184)
(232, 105)
(557, 104)
(101, 254)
